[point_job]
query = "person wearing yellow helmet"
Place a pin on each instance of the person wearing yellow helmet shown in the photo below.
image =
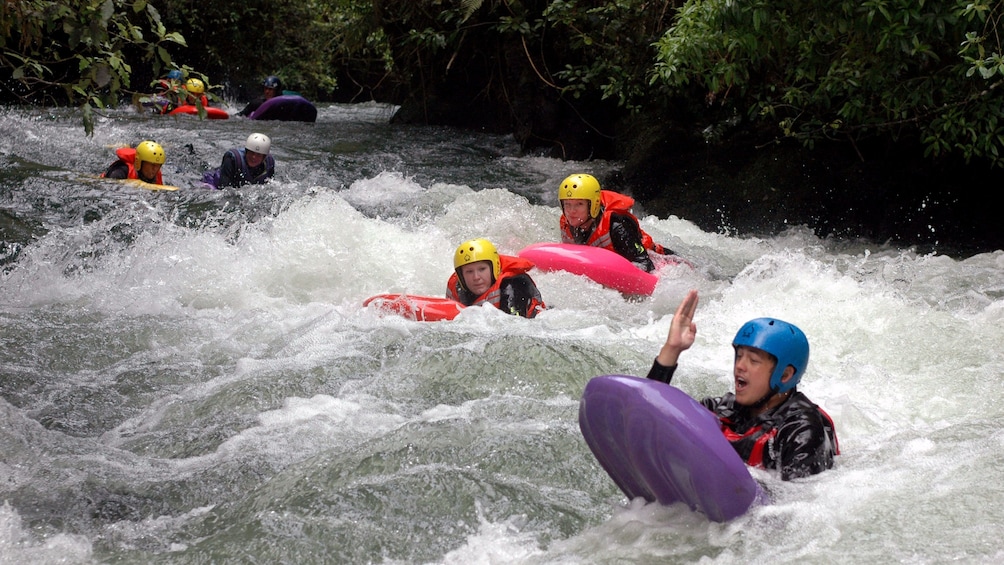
(253, 164)
(483, 276)
(176, 92)
(195, 91)
(142, 162)
(603, 218)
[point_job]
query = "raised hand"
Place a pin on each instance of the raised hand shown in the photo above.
(682, 331)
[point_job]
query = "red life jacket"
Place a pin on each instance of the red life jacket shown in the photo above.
(509, 266)
(761, 437)
(757, 434)
(128, 156)
(610, 203)
(171, 95)
(177, 97)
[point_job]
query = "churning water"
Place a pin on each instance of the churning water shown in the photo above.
(190, 376)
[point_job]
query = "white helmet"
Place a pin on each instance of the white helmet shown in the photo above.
(259, 143)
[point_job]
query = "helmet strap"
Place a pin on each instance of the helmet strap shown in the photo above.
(583, 231)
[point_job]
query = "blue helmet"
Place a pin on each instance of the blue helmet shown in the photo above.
(784, 341)
(175, 75)
(272, 81)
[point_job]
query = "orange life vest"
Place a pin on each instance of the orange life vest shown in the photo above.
(128, 156)
(509, 266)
(762, 437)
(610, 203)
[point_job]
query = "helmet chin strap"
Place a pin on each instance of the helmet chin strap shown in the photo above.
(585, 228)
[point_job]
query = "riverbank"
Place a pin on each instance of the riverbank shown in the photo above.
(884, 194)
(739, 181)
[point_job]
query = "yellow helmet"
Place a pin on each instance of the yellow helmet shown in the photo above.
(195, 86)
(150, 152)
(474, 250)
(581, 187)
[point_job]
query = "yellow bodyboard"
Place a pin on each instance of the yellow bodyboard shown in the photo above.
(148, 186)
(89, 179)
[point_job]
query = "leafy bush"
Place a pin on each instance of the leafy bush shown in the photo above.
(847, 70)
(80, 51)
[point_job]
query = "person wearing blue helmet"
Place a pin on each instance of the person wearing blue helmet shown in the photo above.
(270, 87)
(170, 92)
(767, 420)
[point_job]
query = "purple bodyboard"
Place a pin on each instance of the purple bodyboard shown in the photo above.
(657, 442)
(286, 108)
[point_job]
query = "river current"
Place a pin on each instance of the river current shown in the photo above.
(190, 376)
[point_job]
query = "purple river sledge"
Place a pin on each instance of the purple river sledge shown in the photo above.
(657, 442)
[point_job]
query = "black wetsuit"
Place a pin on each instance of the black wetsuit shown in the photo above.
(797, 438)
(625, 235)
(234, 174)
(518, 295)
(120, 170)
(252, 106)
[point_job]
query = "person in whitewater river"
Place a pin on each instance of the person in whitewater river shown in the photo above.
(252, 165)
(195, 93)
(603, 218)
(482, 276)
(171, 81)
(171, 92)
(767, 420)
(142, 162)
(174, 93)
(270, 87)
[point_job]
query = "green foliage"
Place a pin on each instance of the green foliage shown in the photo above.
(606, 46)
(847, 69)
(411, 40)
(358, 41)
(310, 44)
(582, 48)
(802, 69)
(246, 40)
(80, 49)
